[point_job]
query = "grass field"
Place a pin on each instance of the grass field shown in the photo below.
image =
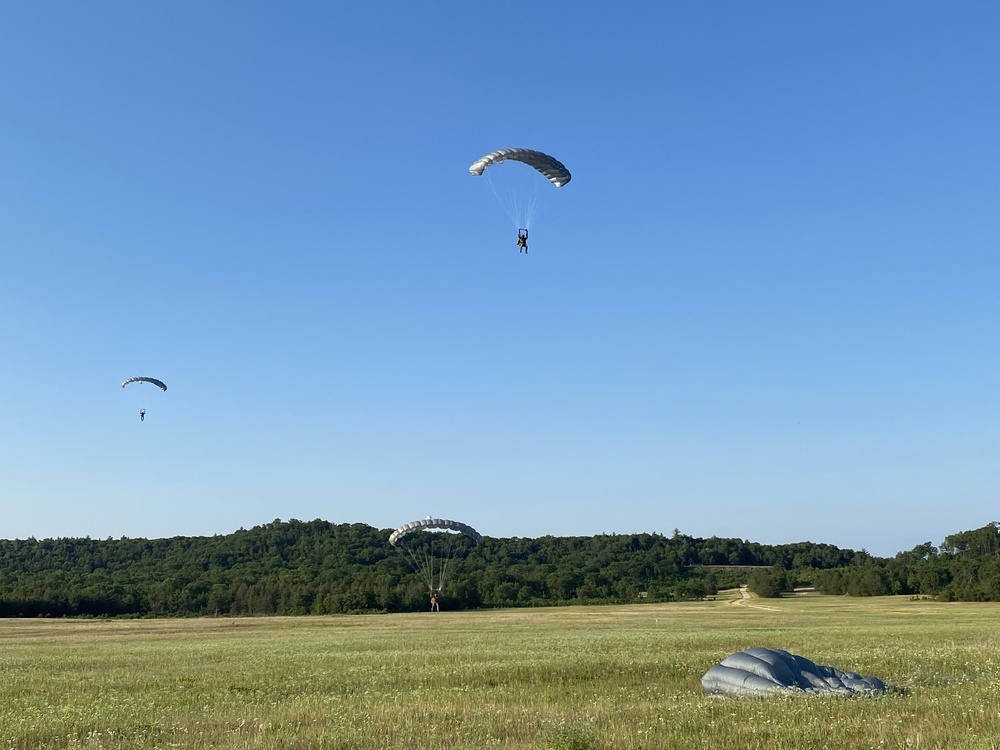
(567, 678)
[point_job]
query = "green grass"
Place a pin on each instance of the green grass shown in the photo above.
(569, 679)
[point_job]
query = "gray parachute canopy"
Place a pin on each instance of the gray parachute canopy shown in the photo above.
(760, 671)
(158, 383)
(551, 168)
(435, 556)
(434, 523)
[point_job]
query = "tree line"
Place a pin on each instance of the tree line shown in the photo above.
(966, 567)
(316, 567)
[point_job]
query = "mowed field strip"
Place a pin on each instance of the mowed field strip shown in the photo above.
(568, 677)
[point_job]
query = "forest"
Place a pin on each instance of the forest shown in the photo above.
(316, 567)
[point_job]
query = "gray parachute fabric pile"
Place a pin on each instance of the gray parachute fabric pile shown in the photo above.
(762, 671)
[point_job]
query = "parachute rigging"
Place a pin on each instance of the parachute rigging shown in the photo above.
(158, 383)
(434, 547)
(519, 192)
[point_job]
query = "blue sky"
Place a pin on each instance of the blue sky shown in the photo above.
(766, 306)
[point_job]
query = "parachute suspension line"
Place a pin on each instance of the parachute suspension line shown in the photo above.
(507, 200)
(435, 571)
(530, 206)
(439, 566)
(424, 565)
(520, 203)
(445, 572)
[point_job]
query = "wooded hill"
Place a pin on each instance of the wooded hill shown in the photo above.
(295, 567)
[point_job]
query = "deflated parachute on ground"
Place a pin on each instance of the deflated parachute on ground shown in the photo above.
(553, 170)
(761, 671)
(158, 383)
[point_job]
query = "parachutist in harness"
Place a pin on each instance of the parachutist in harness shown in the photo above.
(522, 240)
(435, 607)
(142, 415)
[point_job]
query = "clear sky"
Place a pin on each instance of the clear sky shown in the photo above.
(767, 305)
